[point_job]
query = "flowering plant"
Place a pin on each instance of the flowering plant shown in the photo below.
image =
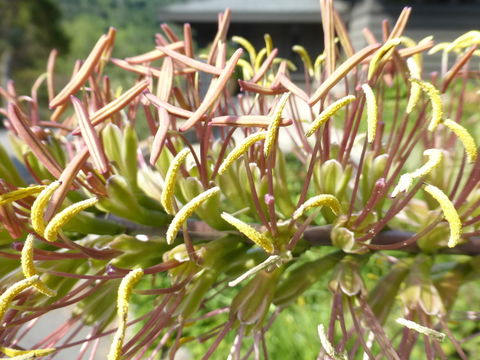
(232, 193)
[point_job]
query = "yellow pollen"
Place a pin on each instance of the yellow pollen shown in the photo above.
(272, 130)
(39, 205)
(187, 210)
(449, 212)
(64, 216)
(372, 112)
(258, 238)
(167, 196)
(316, 201)
(328, 113)
(240, 149)
(123, 297)
(465, 137)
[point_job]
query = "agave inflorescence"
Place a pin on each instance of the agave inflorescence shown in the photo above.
(216, 205)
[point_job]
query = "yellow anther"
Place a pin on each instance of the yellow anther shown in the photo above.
(28, 267)
(123, 297)
(379, 54)
(327, 346)
(449, 212)
(20, 193)
(415, 89)
(318, 63)
(240, 149)
(436, 101)
(8, 295)
(272, 130)
(258, 238)
(248, 46)
(434, 158)
(466, 40)
(268, 43)
(317, 201)
(64, 216)
(406, 180)
(443, 46)
(259, 59)
(39, 206)
(327, 113)
(188, 210)
(465, 137)
(300, 50)
(247, 69)
(167, 196)
(421, 329)
(372, 112)
(26, 354)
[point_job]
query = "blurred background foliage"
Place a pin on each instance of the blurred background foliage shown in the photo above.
(30, 29)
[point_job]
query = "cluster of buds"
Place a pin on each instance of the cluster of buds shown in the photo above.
(170, 195)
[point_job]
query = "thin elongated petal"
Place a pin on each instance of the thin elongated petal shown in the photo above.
(64, 216)
(172, 109)
(294, 89)
(258, 238)
(168, 190)
(195, 64)
(450, 75)
(265, 66)
(449, 212)
(401, 23)
(83, 73)
(465, 137)
(90, 136)
(214, 91)
(250, 86)
(187, 210)
(51, 74)
(137, 69)
(340, 72)
(155, 54)
(165, 81)
(66, 179)
(35, 145)
(160, 135)
(221, 36)
(117, 104)
(247, 120)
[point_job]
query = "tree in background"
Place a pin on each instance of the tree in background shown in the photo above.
(135, 20)
(28, 30)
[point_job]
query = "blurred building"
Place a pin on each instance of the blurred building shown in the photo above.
(292, 22)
